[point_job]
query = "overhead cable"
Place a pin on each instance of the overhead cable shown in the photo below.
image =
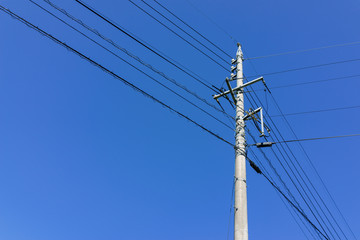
(141, 61)
(316, 81)
(178, 35)
(263, 169)
(304, 50)
(184, 31)
(317, 111)
(312, 165)
(312, 139)
(142, 43)
(189, 26)
(287, 199)
(295, 179)
(213, 22)
(130, 64)
(106, 70)
(307, 178)
(307, 67)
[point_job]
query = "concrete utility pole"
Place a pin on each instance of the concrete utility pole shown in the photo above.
(237, 95)
(240, 204)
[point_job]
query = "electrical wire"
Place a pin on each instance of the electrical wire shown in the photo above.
(141, 43)
(304, 50)
(308, 158)
(307, 67)
(212, 21)
(114, 54)
(310, 205)
(294, 206)
(316, 81)
(305, 83)
(178, 35)
(155, 80)
(106, 70)
(304, 174)
(292, 180)
(188, 34)
(263, 169)
(138, 59)
(318, 138)
(317, 111)
(189, 26)
(321, 180)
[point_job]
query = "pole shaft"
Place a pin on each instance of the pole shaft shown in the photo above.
(240, 218)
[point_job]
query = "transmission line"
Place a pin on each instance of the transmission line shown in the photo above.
(314, 211)
(142, 43)
(256, 168)
(304, 173)
(178, 35)
(263, 169)
(138, 59)
(304, 50)
(291, 179)
(316, 81)
(309, 160)
(181, 29)
(106, 70)
(312, 139)
(307, 67)
(213, 22)
(189, 26)
(317, 111)
(321, 180)
(114, 54)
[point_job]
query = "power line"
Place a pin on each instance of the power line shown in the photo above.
(209, 41)
(106, 70)
(178, 35)
(317, 111)
(318, 138)
(138, 59)
(300, 175)
(306, 176)
(114, 54)
(316, 81)
(304, 50)
(213, 22)
(309, 160)
(263, 169)
(142, 43)
(317, 173)
(188, 34)
(306, 198)
(252, 164)
(307, 67)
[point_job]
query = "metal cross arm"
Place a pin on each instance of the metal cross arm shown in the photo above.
(236, 89)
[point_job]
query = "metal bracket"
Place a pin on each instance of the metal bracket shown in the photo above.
(236, 89)
(252, 114)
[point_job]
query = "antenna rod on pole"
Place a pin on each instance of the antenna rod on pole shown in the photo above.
(240, 202)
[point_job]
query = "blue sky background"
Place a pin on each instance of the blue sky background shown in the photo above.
(82, 156)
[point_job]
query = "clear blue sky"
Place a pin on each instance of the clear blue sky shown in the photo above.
(82, 156)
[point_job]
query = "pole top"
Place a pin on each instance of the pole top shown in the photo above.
(239, 53)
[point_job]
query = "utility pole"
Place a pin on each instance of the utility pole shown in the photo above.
(237, 95)
(240, 203)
